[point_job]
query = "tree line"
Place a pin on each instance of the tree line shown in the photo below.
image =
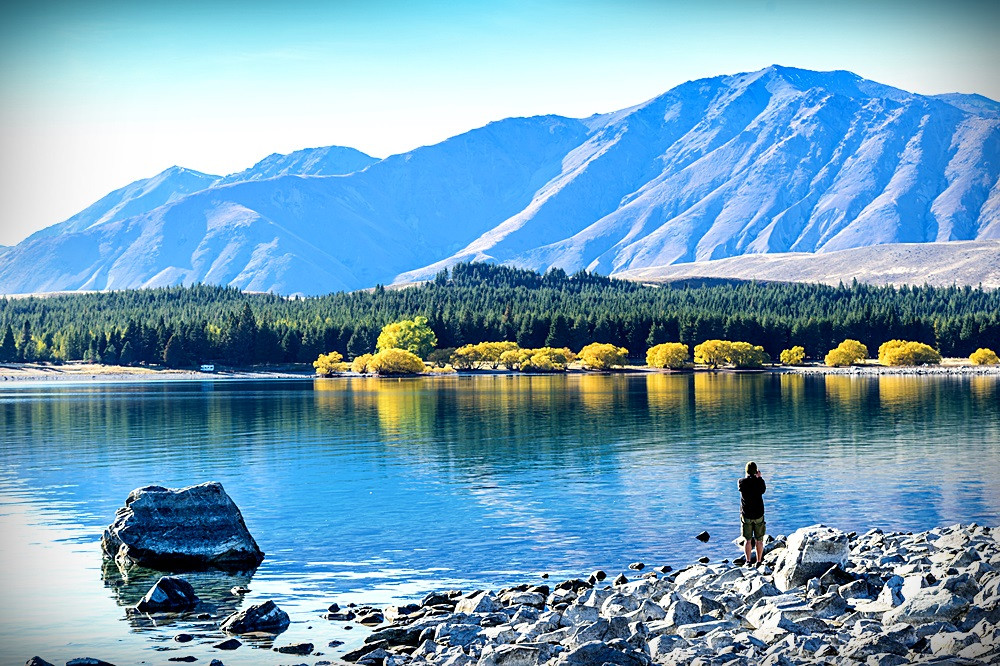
(476, 303)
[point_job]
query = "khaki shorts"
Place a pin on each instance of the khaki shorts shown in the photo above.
(753, 528)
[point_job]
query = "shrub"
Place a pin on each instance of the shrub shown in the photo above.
(466, 357)
(413, 335)
(543, 359)
(847, 352)
(442, 370)
(984, 356)
(360, 363)
(908, 353)
(328, 364)
(671, 355)
(794, 356)
(601, 355)
(395, 362)
(713, 353)
(745, 355)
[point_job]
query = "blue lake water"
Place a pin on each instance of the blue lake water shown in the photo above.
(368, 490)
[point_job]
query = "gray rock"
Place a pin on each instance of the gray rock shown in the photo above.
(577, 614)
(703, 537)
(637, 566)
(963, 585)
(228, 644)
(810, 552)
(599, 575)
(533, 599)
(191, 528)
(37, 661)
(263, 617)
(596, 653)
(595, 631)
(170, 594)
(511, 655)
(296, 648)
(457, 634)
(952, 642)
(862, 647)
(87, 661)
(682, 612)
(183, 638)
(927, 605)
(478, 602)
(620, 579)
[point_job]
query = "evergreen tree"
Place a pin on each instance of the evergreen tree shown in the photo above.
(173, 353)
(25, 353)
(127, 356)
(8, 348)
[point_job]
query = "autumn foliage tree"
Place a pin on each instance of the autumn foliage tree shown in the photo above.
(713, 353)
(329, 364)
(413, 335)
(360, 363)
(794, 356)
(984, 356)
(671, 355)
(904, 352)
(395, 361)
(602, 355)
(846, 353)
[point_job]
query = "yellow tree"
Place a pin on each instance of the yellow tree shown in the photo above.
(328, 364)
(713, 353)
(794, 356)
(984, 356)
(395, 361)
(413, 335)
(910, 353)
(745, 355)
(847, 352)
(360, 364)
(601, 355)
(671, 355)
(466, 357)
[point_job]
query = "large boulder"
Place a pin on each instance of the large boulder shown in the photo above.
(191, 528)
(808, 553)
(931, 604)
(259, 618)
(170, 594)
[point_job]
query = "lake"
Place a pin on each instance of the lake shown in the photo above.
(379, 490)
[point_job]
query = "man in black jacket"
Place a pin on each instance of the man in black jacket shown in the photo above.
(752, 489)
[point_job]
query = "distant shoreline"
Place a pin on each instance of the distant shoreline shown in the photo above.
(92, 372)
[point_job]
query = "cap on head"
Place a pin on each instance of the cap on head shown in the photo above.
(751, 468)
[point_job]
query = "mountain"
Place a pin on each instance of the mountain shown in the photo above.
(775, 161)
(936, 264)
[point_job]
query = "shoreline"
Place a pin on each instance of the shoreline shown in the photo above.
(97, 373)
(821, 596)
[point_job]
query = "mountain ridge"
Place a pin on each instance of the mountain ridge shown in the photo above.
(778, 160)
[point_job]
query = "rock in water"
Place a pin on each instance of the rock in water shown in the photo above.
(170, 594)
(265, 617)
(37, 661)
(703, 537)
(192, 528)
(810, 552)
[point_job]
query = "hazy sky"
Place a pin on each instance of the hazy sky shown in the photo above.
(98, 94)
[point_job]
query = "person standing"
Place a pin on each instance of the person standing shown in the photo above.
(752, 489)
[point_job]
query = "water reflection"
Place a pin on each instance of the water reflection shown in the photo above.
(365, 489)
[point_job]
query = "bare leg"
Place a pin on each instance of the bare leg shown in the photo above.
(760, 551)
(746, 549)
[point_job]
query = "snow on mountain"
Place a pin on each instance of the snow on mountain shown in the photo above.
(329, 161)
(311, 234)
(774, 161)
(937, 264)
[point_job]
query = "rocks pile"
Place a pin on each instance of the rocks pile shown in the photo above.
(822, 597)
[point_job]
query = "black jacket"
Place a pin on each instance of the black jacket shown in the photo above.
(752, 490)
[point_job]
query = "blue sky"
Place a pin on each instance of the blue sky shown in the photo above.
(96, 95)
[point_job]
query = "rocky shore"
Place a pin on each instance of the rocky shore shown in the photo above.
(821, 596)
